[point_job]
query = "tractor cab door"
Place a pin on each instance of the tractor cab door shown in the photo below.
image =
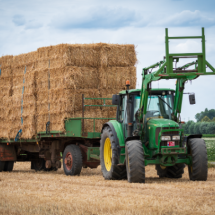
(123, 114)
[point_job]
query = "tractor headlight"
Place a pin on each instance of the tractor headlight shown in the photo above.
(176, 138)
(165, 138)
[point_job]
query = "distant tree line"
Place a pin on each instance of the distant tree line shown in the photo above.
(205, 123)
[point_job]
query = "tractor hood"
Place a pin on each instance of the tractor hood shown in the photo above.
(159, 122)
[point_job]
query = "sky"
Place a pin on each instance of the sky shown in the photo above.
(26, 25)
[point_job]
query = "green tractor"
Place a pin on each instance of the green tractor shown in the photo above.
(147, 129)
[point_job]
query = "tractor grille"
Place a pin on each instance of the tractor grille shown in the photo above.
(169, 133)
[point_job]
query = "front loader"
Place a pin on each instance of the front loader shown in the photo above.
(147, 126)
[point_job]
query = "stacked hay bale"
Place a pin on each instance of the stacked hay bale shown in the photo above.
(51, 87)
(5, 94)
(118, 65)
(23, 112)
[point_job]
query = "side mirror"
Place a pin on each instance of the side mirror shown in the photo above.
(115, 99)
(192, 99)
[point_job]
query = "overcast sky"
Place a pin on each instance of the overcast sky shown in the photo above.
(26, 25)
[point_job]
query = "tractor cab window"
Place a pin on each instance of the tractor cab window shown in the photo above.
(159, 106)
(136, 104)
(123, 114)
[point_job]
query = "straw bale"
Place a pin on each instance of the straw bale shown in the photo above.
(25, 59)
(88, 123)
(5, 91)
(115, 77)
(19, 70)
(15, 126)
(88, 93)
(6, 81)
(18, 90)
(61, 94)
(60, 107)
(114, 55)
(57, 122)
(42, 107)
(7, 105)
(6, 61)
(18, 80)
(74, 77)
(84, 55)
(42, 95)
(52, 51)
(108, 93)
(6, 71)
(29, 110)
(51, 63)
(29, 127)
(83, 77)
(41, 121)
(4, 128)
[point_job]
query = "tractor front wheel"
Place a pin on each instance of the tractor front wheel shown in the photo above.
(109, 156)
(198, 170)
(135, 163)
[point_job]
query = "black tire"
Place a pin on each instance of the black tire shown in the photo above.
(161, 171)
(113, 171)
(135, 163)
(8, 167)
(2, 164)
(75, 166)
(39, 164)
(198, 170)
(175, 171)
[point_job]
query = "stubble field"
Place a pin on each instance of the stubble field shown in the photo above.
(25, 191)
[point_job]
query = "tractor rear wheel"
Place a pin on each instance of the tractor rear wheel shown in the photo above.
(8, 167)
(135, 163)
(198, 170)
(72, 160)
(175, 171)
(109, 156)
(2, 165)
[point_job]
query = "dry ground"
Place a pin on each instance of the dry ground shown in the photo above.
(25, 191)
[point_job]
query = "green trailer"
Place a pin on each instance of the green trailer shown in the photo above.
(147, 129)
(78, 147)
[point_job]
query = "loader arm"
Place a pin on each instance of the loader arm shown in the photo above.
(181, 74)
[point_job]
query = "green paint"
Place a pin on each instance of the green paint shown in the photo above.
(93, 153)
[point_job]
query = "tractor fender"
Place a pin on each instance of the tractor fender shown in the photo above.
(116, 128)
(193, 136)
(132, 138)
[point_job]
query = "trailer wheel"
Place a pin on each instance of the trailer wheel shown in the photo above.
(8, 167)
(198, 170)
(109, 156)
(39, 164)
(2, 165)
(72, 160)
(175, 171)
(135, 163)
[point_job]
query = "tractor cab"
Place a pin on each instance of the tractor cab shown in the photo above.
(160, 106)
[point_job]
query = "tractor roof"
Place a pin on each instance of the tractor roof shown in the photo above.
(138, 90)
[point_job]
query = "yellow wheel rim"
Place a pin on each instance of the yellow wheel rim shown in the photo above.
(107, 154)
